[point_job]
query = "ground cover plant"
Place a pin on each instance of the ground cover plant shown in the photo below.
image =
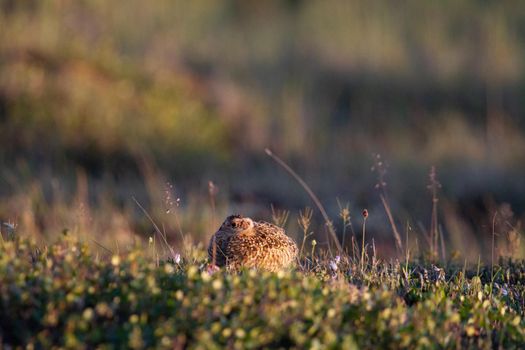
(67, 294)
(95, 106)
(129, 130)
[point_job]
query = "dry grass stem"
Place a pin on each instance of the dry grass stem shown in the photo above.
(434, 186)
(304, 221)
(157, 230)
(312, 196)
(380, 167)
(279, 217)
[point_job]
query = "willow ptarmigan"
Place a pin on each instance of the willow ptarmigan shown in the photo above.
(242, 242)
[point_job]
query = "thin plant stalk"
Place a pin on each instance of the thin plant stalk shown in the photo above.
(312, 196)
(157, 230)
(314, 243)
(493, 244)
(380, 167)
(102, 246)
(397, 237)
(434, 233)
(442, 240)
(212, 192)
(407, 250)
(344, 213)
(365, 217)
(304, 221)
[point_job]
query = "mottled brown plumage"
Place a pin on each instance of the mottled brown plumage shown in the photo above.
(242, 242)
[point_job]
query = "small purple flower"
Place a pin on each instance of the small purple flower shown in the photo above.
(177, 258)
(333, 265)
(503, 289)
(211, 269)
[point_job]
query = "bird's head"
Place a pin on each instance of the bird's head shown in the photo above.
(237, 223)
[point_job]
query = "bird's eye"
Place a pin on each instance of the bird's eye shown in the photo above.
(234, 224)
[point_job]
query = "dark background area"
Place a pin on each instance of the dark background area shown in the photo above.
(101, 102)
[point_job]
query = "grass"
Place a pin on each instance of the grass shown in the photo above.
(79, 293)
(193, 91)
(202, 87)
(67, 295)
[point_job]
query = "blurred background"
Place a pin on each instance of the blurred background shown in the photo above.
(173, 103)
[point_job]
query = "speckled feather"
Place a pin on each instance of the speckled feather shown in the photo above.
(261, 245)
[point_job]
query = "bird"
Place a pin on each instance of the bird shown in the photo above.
(242, 242)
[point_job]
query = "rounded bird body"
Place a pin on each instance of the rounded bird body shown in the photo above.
(242, 242)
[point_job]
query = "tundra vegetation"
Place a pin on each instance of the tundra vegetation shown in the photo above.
(130, 129)
(65, 294)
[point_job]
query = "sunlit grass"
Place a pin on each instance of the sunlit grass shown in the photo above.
(66, 294)
(104, 104)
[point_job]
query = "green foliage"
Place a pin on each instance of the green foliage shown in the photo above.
(67, 295)
(77, 89)
(124, 90)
